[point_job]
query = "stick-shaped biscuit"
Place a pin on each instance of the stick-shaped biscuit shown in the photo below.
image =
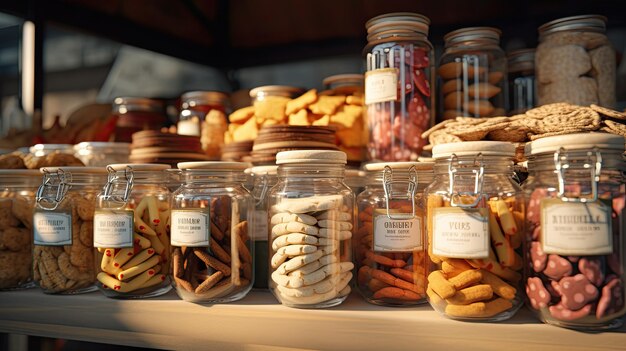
(476, 309)
(300, 239)
(439, 284)
(285, 217)
(283, 253)
(209, 282)
(465, 279)
(141, 241)
(134, 270)
(121, 257)
(107, 259)
(434, 298)
(500, 287)
(506, 218)
(454, 266)
(139, 223)
(219, 252)
(385, 261)
(332, 224)
(393, 292)
(299, 261)
(466, 296)
(335, 234)
(293, 227)
(341, 289)
(321, 287)
(139, 258)
(503, 249)
(244, 252)
(212, 262)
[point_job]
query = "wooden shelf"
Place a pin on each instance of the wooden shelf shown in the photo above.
(258, 322)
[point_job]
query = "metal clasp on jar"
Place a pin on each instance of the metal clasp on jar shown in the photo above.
(110, 193)
(592, 163)
(264, 187)
(59, 180)
(388, 183)
(477, 170)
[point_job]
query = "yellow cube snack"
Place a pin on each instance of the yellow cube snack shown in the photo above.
(324, 121)
(272, 107)
(241, 115)
(248, 131)
(299, 119)
(327, 105)
(301, 102)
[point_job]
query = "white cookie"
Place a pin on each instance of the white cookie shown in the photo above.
(299, 239)
(285, 217)
(293, 227)
(313, 266)
(337, 225)
(339, 289)
(309, 204)
(334, 215)
(299, 261)
(285, 252)
(320, 274)
(334, 233)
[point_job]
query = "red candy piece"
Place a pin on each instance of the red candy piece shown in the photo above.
(420, 58)
(576, 292)
(592, 268)
(538, 295)
(408, 132)
(557, 267)
(538, 258)
(612, 299)
(421, 82)
(561, 312)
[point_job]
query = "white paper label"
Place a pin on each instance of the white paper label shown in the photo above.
(381, 85)
(188, 127)
(113, 229)
(260, 231)
(576, 229)
(460, 233)
(52, 228)
(190, 228)
(397, 234)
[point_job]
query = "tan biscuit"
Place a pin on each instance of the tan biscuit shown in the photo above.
(212, 262)
(209, 282)
(284, 217)
(471, 294)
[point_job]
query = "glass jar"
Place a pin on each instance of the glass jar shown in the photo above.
(472, 74)
(575, 222)
(203, 114)
(100, 154)
(474, 221)
(398, 85)
(575, 62)
(211, 250)
(355, 179)
(345, 84)
(389, 245)
(522, 83)
(17, 200)
(136, 114)
(63, 229)
(174, 179)
(132, 232)
(40, 150)
(265, 177)
(311, 219)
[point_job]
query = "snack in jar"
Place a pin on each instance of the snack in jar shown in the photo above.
(63, 254)
(132, 232)
(575, 230)
(17, 200)
(474, 220)
(311, 221)
(575, 62)
(472, 74)
(398, 85)
(203, 114)
(212, 253)
(389, 245)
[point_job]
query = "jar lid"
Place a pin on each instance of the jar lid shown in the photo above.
(102, 145)
(276, 90)
(50, 147)
(311, 156)
(210, 96)
(20, 172)
(75, 170)
(410, 21)
(214, 166)
(473, 148)
(140, 167)
(472, 33)
(592, 23)
(258, 170)
(123, 104)
(580, 141)
(522, 59)
(345, 80)
(419, 166)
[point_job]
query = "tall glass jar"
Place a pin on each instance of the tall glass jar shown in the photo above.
(311, 219)
(389, 245)
(475, 217)
(17, 200)
(575, 62)
(132, 232)
(398, 85)
(472, 74)
(522, 83)
(63, 229)
(575, 222)
(212, 253)
(265, 177)
(136, 114)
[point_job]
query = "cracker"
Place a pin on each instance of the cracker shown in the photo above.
(301, 102)
(512, 133)
(436, 127)
(327, 105)
(560, 132)
(442, 137)
(607, 112)
(582, 118)
(478, 132)
(541, 111)
(270, 108)
(615, 128)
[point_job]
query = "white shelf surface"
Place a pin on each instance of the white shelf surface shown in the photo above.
(258, 323)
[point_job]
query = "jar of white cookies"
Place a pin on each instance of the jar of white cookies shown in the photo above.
(212, 250)
(389, 245)
(132, 232)
(265, 177)
(522, 83)
(575, 62)
(310, 211)
(472, 74)
(398, 85)
(63, 229)
(17, 201)
(575, 230)
(474, 222)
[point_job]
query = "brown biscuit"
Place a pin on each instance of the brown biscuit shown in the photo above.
(212, 262)
(607, 112)
(209, 282)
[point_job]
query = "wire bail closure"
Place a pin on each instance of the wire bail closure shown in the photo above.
(478, 172)
(264, 188)
(108, 193)
(593, 163)
(409, 195)
(63, 180)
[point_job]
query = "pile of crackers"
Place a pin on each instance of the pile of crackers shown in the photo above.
(341, 109)
(547, 120)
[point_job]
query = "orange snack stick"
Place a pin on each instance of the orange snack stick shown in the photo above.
(454, 266)
(375, 284)
(434, 298)
(494, 267)
(504, 250)
(209, 282)
(216, 233)
(496, 306)
(363, 275)
(391, 280)
(465, 279)
(385, 261)
(472, 294)
(499, 287)
(507, 221)
(414, 277)
(396, 293)
(439, 284)
(476, 309)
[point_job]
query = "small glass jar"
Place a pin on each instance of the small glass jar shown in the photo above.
(472, 74)
(17, 200)
(575, 223)
(132, 232)
(522, 83)
(474, 221)
(100, 154)
(265, 177)
(212, 253)
(398, 85)
(63, 229)
(389, 245)
(136, 114)
(575, 62)
(311, 218)
(203, 114)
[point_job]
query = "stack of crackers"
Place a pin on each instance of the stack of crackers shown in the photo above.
(544, 121)
(341, 109)
(152, 146)
(237, 151)
(274, 139)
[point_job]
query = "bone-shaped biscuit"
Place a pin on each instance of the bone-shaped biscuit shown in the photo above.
(283, 253)
(341, 289)
(299, 238)
(285, 217)
(320, 274)
(309, 204)
(299, 261)
(293, 227)
(320, 287)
